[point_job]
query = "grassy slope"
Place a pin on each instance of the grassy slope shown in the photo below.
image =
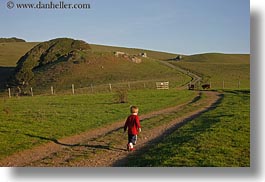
(218, 138)
(212, 67)
(152, 54)
(103, 68)
(11, 52)
(218, 67)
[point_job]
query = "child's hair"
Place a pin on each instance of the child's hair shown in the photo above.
(134, 109)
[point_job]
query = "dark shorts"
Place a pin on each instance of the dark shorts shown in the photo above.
(132, 139)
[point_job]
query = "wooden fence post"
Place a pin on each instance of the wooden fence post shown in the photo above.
(238, 84)
(52, 91)
(73, 89)
(110, 88)
(31, 91)
(223, 84)
(9, 92)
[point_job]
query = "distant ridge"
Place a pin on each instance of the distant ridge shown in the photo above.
(12, 39)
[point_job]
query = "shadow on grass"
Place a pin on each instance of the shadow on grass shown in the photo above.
(103, 147)
(197, 98)
(238, 91)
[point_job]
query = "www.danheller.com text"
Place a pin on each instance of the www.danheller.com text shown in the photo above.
(48, 5)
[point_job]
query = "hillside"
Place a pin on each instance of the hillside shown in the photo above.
(63, 62)
(219, 68)
(151, 54)
(218, 58)
(13, 39)
(45, 54)
(11, 52)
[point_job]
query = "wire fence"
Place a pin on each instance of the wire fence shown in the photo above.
(222, 84)
(75, 89)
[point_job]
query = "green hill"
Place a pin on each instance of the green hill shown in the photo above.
(13, 39)
(218, 58)
(63, 62)
(45, 54)
(134, 51)
(11, 52)
(217, 68)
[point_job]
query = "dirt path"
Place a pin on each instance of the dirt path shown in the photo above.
(107, 146)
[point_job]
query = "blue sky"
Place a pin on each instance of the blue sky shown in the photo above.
(178, 26)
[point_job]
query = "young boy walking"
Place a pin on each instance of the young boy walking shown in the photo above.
(134, 127)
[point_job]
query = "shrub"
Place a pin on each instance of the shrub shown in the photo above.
(121, 95)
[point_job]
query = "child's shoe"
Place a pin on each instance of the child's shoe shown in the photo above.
(130, 147)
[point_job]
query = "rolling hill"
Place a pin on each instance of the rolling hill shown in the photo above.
(134, 51)
(45, 54)
(219, 68)
(63, 62)
(11, 52)
(13, 39)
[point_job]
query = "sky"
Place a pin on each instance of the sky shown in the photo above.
(177, 26)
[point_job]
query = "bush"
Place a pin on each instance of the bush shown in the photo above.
(121, 95)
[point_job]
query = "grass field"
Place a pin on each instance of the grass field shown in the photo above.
(218, 138)
(61, 116)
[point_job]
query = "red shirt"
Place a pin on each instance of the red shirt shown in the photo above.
(133, 124)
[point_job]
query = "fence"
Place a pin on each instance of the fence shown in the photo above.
(74, 89)
(225, 84)
(91, 88)
(162, 85)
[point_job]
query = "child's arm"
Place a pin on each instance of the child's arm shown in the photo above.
(138, 124)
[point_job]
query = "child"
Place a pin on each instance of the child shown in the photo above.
(133, 125)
